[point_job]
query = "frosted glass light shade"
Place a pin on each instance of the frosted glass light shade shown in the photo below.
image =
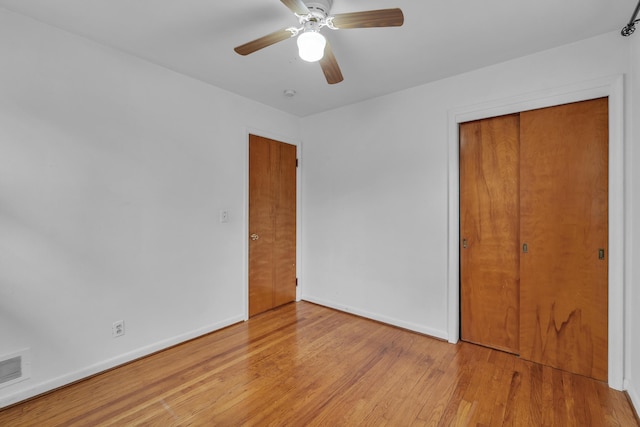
(311, 46)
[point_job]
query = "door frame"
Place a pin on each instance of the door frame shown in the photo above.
(611, 87)
(245, 215)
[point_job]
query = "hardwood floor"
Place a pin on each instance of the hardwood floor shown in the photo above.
(306, 365)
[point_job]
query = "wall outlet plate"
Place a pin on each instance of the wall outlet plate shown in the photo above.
(117, 329)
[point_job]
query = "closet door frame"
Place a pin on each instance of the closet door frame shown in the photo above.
(613, 88)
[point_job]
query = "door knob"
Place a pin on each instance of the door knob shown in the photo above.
(254, 236)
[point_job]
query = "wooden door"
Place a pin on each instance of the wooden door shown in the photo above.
(564, 216)
(272, 224)
(489, 230)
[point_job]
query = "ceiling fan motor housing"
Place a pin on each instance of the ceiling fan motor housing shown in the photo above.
(319, 8)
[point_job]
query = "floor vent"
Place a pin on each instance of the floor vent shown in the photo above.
(13, 368)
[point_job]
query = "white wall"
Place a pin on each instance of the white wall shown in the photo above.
(375, 184)
(112, 173)
(633, 329)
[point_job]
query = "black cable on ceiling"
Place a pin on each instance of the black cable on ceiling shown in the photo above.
(631, 26)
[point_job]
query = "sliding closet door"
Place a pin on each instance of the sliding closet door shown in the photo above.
(489, 230)
(563, 211)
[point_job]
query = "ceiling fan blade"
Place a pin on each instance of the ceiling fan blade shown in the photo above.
(262, 42)
(369, 19)
(330, 66)
(296, 6)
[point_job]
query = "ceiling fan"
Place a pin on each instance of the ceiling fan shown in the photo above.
(313, 15)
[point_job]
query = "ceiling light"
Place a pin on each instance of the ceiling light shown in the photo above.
(311, 46)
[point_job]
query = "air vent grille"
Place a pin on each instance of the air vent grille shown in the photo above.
(10, 369)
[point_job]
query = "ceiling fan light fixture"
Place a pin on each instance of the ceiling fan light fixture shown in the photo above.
(311, 46)
(313, 15)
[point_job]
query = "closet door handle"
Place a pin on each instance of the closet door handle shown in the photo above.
(525, 248)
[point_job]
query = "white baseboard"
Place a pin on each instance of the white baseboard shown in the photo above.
(378, 317)
(86, 372)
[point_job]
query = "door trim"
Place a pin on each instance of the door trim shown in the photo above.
(612, 87)
(245, 214)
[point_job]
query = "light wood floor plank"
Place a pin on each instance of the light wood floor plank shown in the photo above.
(306, 365)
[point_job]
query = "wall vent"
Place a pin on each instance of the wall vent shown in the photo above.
(14, 368)
(10, 369)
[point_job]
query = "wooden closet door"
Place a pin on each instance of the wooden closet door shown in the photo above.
(272, 224)
(564, 223)
(489, 230)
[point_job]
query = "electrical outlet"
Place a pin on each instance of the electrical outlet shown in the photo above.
(224, 216)
(117, 328)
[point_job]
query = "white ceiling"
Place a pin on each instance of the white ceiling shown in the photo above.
(440, 38)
